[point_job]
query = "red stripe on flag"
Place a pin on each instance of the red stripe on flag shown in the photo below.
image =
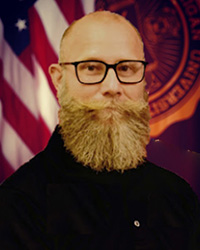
(72, 10)
(25, 58)
(22, 121)
(40, 45)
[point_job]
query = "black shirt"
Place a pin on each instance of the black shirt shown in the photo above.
(53, 202)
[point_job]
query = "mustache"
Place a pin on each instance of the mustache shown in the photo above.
(107, 109)
(127, 108)
(112, 105)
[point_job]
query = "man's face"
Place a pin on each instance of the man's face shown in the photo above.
(105, 125)
(108, 42)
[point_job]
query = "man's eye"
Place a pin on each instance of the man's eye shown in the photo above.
(91, 67)
(128, 68)
(124, 68)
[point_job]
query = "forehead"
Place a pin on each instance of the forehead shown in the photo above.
(102, 39)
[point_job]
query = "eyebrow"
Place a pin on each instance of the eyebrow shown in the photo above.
(103, 60)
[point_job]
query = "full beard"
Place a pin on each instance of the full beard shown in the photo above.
(105, 135)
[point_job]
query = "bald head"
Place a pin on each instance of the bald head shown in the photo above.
(94, 23)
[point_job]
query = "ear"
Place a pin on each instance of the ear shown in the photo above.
(55, 72)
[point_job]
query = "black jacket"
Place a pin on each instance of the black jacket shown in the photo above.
(53, 202)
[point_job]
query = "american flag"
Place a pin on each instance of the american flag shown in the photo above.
(30, 33)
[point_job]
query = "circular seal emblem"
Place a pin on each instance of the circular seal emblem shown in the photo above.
(171, 34)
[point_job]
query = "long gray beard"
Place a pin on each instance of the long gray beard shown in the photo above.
(105, 135)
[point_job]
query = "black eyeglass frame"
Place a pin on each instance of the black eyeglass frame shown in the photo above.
(108, 66)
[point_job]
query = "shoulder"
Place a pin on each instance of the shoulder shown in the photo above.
(170, 188)
(167, 185)
(28, 181)
(23, 207)
(26, 173)
(163, 177)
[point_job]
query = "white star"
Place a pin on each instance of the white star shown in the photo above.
(21, 24)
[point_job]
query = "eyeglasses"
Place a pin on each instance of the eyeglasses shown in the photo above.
(95, 71)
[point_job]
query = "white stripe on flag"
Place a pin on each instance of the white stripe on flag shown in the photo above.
(88, 6)
(13, 148)
(53, 21)
(47, 103)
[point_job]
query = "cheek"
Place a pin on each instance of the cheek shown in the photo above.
(82, 91)
(134, 92)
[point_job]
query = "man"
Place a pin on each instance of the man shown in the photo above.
(92, 187)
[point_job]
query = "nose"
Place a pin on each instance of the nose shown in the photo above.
(111, 87)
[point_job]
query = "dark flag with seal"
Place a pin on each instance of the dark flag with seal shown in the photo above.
(171, 34)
